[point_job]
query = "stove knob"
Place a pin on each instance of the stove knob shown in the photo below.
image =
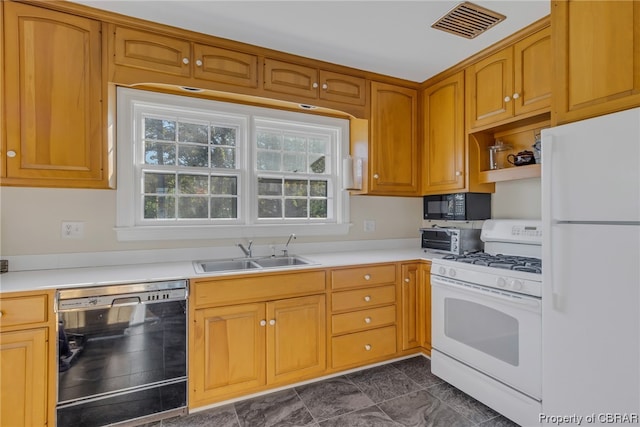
(442, 271)
(516, 284)
(501, 282)
(452, 272)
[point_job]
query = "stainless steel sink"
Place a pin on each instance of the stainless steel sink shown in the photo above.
(239, 264)
(282, 261)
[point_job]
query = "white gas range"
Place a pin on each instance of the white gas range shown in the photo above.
(486, 319)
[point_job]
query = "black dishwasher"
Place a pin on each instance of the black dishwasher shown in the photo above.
(122, 353)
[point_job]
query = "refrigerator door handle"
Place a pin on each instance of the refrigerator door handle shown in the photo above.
(548, 222)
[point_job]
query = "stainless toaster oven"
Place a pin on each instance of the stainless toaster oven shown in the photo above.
(451, 240)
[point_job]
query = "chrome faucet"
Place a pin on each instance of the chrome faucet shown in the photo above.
(285, 251)
(247, 250)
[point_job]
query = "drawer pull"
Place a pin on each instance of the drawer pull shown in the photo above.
(407, 280)
(367, 347)
(367, 298)
(367, 277)
(272, 322)
(367, 320)
(263, 322)
(1, 313)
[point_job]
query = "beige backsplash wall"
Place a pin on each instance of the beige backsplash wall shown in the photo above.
(30, 222)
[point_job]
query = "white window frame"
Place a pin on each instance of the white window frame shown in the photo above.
(130, 225)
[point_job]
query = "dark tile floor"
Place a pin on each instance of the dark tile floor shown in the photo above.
(402, 393)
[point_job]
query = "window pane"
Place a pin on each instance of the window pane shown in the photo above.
(294, 143)
(223, 207)
(224, 185)
(223, 136)
(295, 208)
(158, 153)
(295, 187)
(269, 161)
(193, 207)
(269, 140)
(317, 163)
(191, 132)
(193, 184)
(164, 130)
(269, 208)
(294, 163)
(318, 146)
(159, 183)
(318, 208)
(223, 158)
(159, 207)
(193, 155)
(318, 189)
(269, 187)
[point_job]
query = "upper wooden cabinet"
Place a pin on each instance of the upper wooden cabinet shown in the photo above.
(443, 153)
(393, 156)
(55, 132)
(597, 58)
(178, 57)
(311, 82)
(515, 81)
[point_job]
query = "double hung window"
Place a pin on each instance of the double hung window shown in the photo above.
(190, 168)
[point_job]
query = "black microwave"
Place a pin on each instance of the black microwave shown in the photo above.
(458, 206)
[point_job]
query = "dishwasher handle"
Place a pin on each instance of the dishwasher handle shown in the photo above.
(133, 300)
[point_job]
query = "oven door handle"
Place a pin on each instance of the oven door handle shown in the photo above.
(529, 302)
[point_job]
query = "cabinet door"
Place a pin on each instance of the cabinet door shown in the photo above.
(489, 83)
(394, 149)
(296, 339)
(342, 88)
(410, 307)
(23, 378)
(225, 66)
(153, 52)
(596, 49)
(292, 79)
(54, 90)
(228, 351)
(443, 123)
(532, 73)
(424, 295)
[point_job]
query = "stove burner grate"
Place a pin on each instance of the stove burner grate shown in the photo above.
(508, 262)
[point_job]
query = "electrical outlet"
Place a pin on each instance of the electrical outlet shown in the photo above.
(72, 230)
(369, 225)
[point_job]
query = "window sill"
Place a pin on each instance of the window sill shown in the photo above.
(142, 233)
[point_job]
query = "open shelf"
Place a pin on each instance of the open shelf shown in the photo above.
(510, 173)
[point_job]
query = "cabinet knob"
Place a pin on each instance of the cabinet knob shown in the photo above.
(199, 62)
(367, 298)
(185, 61)
(458, 173)
(367, 347)
(367, 277)
(325, 86)
(1, 314)
(507, 99)
(314, 85)
(11, 153)
(367, 320)
(263, 322)
(376, 176)
(516, 95)
(407, 280)
(272, 322)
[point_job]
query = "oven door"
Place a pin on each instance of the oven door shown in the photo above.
(497, 333)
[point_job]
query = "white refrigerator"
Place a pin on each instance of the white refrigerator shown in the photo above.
(591, 270)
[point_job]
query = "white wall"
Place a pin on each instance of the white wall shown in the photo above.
(30, 222)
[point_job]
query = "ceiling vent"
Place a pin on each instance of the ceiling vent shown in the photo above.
(468, 20)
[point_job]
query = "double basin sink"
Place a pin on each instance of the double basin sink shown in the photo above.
(239, 264)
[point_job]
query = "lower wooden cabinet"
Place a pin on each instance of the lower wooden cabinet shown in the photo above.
(240, 348)
(411, 306)
(424, 313)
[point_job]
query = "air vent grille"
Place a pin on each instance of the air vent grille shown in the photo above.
(468, 20)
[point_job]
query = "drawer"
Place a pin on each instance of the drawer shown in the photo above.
(363, 298)
(256, 287)
(363, 276)
(23, 310)
(361, 347)
(363, 319)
